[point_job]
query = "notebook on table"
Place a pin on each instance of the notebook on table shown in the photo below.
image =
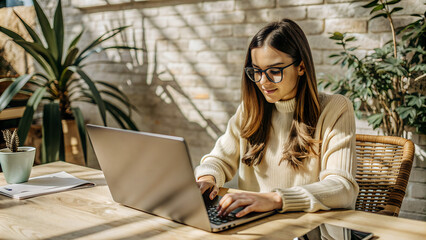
(45, 184)
(153, 173)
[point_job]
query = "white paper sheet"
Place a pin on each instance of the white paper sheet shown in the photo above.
(45, 184)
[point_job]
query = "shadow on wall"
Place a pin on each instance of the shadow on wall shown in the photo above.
(163, 104)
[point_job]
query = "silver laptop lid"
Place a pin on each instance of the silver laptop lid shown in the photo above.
(150, 172)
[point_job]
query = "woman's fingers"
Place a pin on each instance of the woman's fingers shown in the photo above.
(206, 182)
(204, 186)
(224, 202)
(214, 192)
(230, 202)
(236, 204)
(245, 211)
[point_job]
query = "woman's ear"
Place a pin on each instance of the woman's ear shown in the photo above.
(301, 69)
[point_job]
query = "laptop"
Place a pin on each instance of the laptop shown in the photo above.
(153, 173)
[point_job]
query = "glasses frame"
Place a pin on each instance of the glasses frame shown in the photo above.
(264, 72)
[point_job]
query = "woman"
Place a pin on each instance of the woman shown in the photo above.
(293, 147)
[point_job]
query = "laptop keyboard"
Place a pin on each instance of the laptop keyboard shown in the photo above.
(215, 219)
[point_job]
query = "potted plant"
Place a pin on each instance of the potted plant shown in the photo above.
(15, 161)
(62, 83)
(387, 85)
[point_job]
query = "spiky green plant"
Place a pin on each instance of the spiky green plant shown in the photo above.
(11, 139)
(60, 84)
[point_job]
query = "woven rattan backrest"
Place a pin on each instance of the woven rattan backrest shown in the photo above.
(383, 168)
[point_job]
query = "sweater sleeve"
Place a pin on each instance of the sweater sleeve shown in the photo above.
(222, 162)
(336, 187)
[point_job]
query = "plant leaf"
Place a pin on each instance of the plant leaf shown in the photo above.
(58, 27)
(350, 39)
(396, 9)
(11, 34)
(377, 8)
(375, 120)
(52, 128)
(385, 15)
(47, 30)
(393, 2)
(96, 95)
(72, 52)
(124, 101)
(116, 113)
(89, 99)
(370, 4)
(101, 39)
(44, 64)
(44, 53)
(100, 49)
(75, 40)
(337, 36)
(110, 86)
(13, 89)
(114, 110)
(26, 120)
(31, 31)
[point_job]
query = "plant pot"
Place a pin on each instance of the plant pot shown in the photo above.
(72, 143)
(17, 165)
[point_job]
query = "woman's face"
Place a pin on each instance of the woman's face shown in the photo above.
(265, 57)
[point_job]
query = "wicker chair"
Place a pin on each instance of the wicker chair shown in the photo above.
(383, 168)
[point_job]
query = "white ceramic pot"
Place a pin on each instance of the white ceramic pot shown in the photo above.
(17, 166)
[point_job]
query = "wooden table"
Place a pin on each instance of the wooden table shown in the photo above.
(92, 214)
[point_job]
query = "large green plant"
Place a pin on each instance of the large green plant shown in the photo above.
(381, 85)
(63, 82)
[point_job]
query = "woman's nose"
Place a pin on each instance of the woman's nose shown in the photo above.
(263, 78)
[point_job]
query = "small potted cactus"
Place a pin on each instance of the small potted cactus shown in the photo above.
(16, 161)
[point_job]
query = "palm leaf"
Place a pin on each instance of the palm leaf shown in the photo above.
(58, 27)
(52, 128)
(89, 99)
(116, 117)
(75, 40)
(42, 76)
(110, 86)
(11, 34)
(99, 62)
(42, 52)
(71, 54)
(47, 30)
(115, 111)
(100, 49)
(44, 64)
(32, 33)
(27, 118)
(13, 89)
(124, 101)
(93, 89)
(99, 40)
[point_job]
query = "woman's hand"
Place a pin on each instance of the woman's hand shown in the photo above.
(253, 202)
(208, 182)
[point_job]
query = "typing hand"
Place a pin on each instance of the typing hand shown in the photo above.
(208, 183)
(252, 202)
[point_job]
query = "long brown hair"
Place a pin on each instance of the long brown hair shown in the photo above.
(285, 36)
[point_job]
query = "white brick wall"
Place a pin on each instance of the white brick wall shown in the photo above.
(188, 81)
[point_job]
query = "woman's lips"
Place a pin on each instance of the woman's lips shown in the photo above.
(269, 91)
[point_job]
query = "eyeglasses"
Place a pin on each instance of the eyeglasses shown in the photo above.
(273, 74)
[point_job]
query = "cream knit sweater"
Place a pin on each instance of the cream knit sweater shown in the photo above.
(322, 184)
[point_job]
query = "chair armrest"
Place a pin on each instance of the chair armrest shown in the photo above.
(389, 210)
